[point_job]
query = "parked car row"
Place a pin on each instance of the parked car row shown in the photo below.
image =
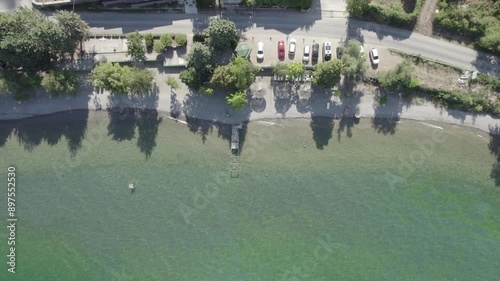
(313, 53)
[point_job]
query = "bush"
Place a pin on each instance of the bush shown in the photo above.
(489, 81)
(237, 100)
(181, 39)
(60, 82)
(207, 90)
(166, 40)
(399, 78)
(148, 39)
(391, 15)
(19, 85)
(199, 38)
(159, 47)
(382, 100)
(172, 83)
(479, 22)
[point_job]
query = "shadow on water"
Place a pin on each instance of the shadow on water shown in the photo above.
(322, 119)
(494, 147)
(126, 114)
(31, 132)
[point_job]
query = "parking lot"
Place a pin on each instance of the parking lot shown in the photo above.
(271, 51)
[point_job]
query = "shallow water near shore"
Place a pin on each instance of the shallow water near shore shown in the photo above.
(314, 200)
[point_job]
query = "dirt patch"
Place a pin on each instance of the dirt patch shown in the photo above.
(426, 17)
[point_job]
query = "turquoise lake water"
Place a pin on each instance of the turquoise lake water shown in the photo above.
(314, 200)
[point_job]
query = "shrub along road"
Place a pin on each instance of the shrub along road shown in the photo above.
(278, 24)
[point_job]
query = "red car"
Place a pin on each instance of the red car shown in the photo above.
(281, 49)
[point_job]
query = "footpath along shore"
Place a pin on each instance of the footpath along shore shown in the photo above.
(181, 104)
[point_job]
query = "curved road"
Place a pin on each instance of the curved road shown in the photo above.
(297, 24)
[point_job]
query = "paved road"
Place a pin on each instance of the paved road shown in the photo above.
(298, 24)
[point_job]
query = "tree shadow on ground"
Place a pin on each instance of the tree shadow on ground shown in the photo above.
(204, 113)
(386, 117)
(350, 98)
(31, 132)
(494, 147)
(322, 118)
(128, 113)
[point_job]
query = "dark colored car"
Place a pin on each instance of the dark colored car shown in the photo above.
(339, 52)
(315, 51)
(281, 49)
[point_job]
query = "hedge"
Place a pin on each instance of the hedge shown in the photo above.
(394, 15)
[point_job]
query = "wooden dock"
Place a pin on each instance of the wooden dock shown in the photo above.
(235, 138)
(235, 151)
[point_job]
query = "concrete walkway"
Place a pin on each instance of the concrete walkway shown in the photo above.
(182, 103)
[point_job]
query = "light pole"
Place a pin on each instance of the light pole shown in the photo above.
(73, 5)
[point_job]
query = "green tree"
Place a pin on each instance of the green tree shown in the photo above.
(159, 47)
(327, 74)
(75, 29)
(239, 75)
(110, 76)
(181, 39)
(200, 58)
(148, 39)
(191, 78)
(237, 100)
(166, 39)
(60, 82)
(139, 81)
(135, 47)
(207, 90)
(29, 40)
(355, 64)
(172, 83)
(280, 69)
(220, 33)
(398, 78)
(357, 8)
(295, 70)
(18, 84)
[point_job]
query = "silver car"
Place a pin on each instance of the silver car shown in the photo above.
(291, 47)
(307, 54)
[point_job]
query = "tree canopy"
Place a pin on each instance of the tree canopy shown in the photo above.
(239, 74)
(237, 100)
(357, 8)
(398, 78)
(280, 69)
(135, 47)
(327, 74)
(220, 33)
(200, 65)
(122, 80)
(60, 82)
(355, 64)
(28, 40)
(295, 70)
(74, 28)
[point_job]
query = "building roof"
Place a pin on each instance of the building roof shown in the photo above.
(242, 50)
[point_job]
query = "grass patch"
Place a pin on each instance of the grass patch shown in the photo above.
(438, 81)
